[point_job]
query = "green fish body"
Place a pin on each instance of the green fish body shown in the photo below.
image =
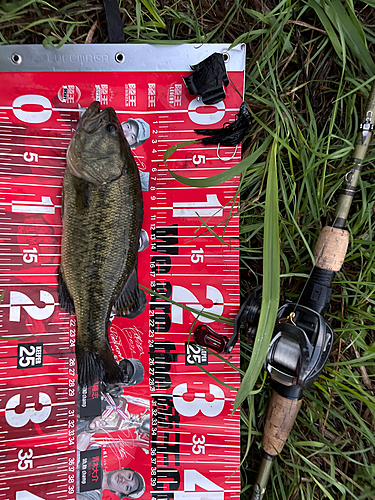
(102, 220)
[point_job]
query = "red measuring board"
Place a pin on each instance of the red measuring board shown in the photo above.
(167, 432)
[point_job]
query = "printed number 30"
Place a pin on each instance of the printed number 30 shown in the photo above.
(36, 416)
(199, 403)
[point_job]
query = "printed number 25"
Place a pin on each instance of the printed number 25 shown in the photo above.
(199, 403)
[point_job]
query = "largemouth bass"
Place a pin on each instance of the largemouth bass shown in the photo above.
(102, 220)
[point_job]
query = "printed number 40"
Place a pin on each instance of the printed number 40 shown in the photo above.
(192, 479)
(26, 495)
(199, 403)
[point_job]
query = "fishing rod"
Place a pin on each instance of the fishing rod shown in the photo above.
(302, 339)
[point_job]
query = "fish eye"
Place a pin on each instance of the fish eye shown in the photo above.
(111, 128)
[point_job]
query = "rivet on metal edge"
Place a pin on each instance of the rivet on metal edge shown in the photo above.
(16, 59)
(119, 57)
(226, 56)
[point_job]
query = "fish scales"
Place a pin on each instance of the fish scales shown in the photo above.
(102, 220)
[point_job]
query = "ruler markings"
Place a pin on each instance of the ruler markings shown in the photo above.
(44, 444)
(184, 274)
(54, 137)
(40, 175)
(160, 218)
(48, 482)
(43, 167)
(25, 284)
(182, 363)
(35, 387)
(33, 185)
(12, 125)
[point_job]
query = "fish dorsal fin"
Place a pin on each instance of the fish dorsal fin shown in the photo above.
(131, 301)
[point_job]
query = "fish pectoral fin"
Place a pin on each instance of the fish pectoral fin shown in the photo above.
(65, 299)
(83, 194)
(131, 301)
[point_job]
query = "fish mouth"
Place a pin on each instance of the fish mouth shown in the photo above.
(93, 118)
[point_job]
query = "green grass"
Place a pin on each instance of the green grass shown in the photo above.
(309, 68)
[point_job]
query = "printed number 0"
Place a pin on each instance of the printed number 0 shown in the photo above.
(36, 416)
(32, 116)
(205, 118)
(199, 403)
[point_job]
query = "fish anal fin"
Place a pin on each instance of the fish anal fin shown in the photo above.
(131, 301)
(113, 373)
(97, 366)
(65, 299)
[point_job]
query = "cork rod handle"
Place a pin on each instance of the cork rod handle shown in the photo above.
(330, 249)
(281, 415)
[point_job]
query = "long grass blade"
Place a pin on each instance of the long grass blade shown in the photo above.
(271, 280)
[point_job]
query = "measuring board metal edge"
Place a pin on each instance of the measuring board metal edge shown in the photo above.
(115, 57)
(186, 439)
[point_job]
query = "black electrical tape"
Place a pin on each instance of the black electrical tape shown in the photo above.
(114, 22)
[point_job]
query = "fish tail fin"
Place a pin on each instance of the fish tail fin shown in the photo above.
(98, 366)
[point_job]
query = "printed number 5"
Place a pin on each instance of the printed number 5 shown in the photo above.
(36, 416)
(198, 159)
(199, 403)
